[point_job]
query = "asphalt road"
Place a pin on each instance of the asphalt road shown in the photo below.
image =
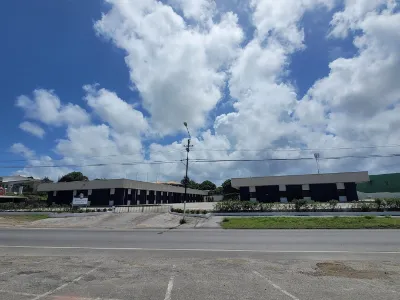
(210, 240)
(199, 264)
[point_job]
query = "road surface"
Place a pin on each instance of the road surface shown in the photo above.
(210, 240)
(55, 264)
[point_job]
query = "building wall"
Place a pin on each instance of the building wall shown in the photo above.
(285, 193)
(389, 183)
(102, 197)
(301, 179)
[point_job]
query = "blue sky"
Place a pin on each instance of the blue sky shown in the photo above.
(55, 46)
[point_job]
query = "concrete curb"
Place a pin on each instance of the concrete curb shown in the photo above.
(204, 216)
(309, 214)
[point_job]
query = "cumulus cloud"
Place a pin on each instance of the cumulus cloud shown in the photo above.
(119, 114)
(32, 128)
(176, 68)
(46, 107)
(200, 10)
(182, 58)
(354, 12)
(19, 148)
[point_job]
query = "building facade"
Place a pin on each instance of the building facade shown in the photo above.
(118, 192)
(317, 187)
(19, 184)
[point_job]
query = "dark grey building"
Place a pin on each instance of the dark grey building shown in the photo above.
(317, 187)
(118, 192)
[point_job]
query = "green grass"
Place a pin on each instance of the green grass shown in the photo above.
(25, 218)
(310, 223)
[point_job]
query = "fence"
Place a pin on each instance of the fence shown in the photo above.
(142, 209)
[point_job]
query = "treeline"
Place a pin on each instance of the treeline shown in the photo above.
(225, 189)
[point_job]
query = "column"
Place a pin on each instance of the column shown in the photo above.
(253, 196)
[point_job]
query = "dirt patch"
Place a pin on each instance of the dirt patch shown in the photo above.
(339, 269)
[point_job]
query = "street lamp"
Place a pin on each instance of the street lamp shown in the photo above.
(187, 160)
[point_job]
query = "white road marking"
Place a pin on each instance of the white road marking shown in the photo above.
(200, 249)
(18, 293)
(64, 285)
(170, 285)
(169, 288)
(276, 286)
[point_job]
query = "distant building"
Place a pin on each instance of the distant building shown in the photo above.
(173, 183)
(118, 192)
(383, 183)
(317, 187)
(18, 184)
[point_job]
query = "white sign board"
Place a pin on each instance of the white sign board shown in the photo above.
(80, 200)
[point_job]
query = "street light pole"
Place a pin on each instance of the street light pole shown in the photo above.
(316, 156)
(187, 161)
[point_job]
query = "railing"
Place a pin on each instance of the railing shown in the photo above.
(142, 209)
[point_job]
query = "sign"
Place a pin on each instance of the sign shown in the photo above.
(80, 201)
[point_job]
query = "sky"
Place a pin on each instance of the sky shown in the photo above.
(104, 86)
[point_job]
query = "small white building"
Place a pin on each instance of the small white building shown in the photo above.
(17, 184)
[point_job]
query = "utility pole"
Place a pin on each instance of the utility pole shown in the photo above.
(316, 156)
(187, 161)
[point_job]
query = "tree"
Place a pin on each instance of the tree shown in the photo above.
(73, 176)
(191, 184)
(228, 191)
(47, 180)
(207, 185)
(218, 191)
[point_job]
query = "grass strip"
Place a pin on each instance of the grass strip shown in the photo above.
(363, 222)
(24, 218)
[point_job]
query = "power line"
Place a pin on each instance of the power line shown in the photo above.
(92, 165)
(297, 149)
(294, 159)
(200, 161)
(89, 157)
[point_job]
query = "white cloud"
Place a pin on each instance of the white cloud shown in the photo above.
(120, 115)
(32, 128)
(280, 18)
(355, 11)
(19, 148)
(201, 10)
(179, 65)
(176, 68)
(46, 107)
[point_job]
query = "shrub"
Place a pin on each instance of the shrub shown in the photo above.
(98, 209)
(266, 206)
(393, 204)
(299, 204)
(104, 209)
(204, 212)
(109, 209)
(369, 217)
(388, 216)
(229, 206)
(182, 221)
(366, 207)
(380, 204)
(333, 204)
